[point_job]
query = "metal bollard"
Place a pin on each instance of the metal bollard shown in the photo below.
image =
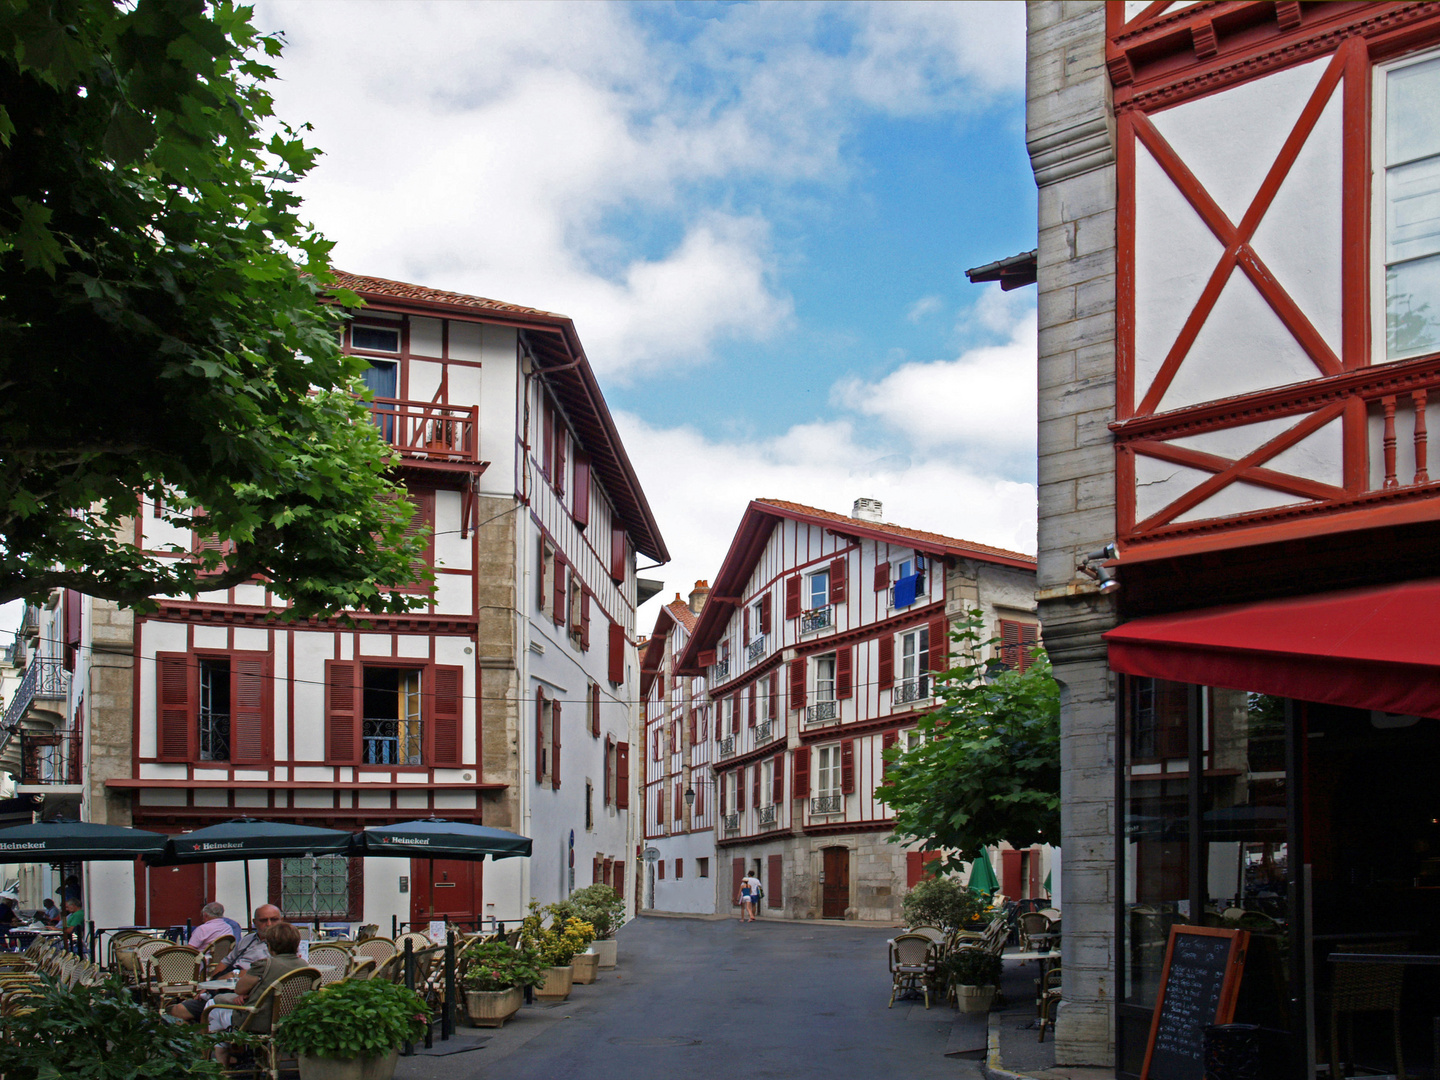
(408, 966)
(447, 1021)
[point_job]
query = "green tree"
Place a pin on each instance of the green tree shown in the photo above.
(986, 767)
(162, 328)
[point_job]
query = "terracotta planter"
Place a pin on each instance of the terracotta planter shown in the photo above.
(974, 999)
(586, 967)
(376, 1068)
(606, 950)
(556, 986)
(491, 1008)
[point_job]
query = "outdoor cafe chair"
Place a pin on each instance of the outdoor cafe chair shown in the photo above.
(280, 999)
(934, 933)
(366, 931)
(174, 973)
(218, 949)
(377, 948)
(1047, 999)
(325, 956)
(912, 966)
(361, 967)
(392, 970)
(1364, 988)
(1030, 924)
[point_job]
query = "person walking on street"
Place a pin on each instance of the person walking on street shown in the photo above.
(747, 900)
(752, 883)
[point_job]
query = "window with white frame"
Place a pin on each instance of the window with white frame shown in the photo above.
(1407, 97)
(908, 576)
(827, 771)
(767, 783)
(375, 338)
(756, 624)
(576, 600)
(914, 681)
(822, 672)
(817, 590)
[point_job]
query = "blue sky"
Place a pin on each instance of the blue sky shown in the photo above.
(759, 216)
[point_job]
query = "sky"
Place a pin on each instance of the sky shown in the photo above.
(758, 215)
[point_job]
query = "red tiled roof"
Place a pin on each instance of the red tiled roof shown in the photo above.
(949, 542)
(682, 613)
(404, 290)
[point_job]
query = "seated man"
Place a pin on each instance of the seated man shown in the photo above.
(248, 951)
(283, 941)
(49, 913)
(213, 927)
(72, 927)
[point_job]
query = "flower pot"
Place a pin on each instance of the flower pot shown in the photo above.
(323, 1068)
(606, 950)
(556, 986)
(585, 967)
(491, 1008)
(974, 999)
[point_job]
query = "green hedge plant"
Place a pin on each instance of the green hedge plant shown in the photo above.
(600, 906)
(942, 902)
(494, 965)
(356, 1018)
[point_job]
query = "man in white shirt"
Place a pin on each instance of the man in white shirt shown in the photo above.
(213, 927)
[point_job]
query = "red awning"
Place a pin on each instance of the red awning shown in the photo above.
(1376, 648)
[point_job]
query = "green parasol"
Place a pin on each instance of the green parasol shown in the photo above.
(1047, 882)
(982, 876)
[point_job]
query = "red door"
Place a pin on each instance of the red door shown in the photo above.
(447, 889)
(835, 892)
(177, 893)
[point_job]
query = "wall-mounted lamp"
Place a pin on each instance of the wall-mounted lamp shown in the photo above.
(690, 792)
(1103, 575)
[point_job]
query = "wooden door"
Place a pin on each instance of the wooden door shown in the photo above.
(177, 893)
(835, 890)
(448, 889)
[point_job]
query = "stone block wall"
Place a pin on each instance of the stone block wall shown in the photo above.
(499, 692)
(1070, 136)
(109, 710)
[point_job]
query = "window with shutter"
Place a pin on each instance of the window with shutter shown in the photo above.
(886, 742)
(619, 883)
(342, 711)
(679, 808)
(617, 554)
(622, 776)
(561, 440)
(751, 706)
(555, 744)
(755, 793)
(177, 696)
(739, 790)
(772, 695)
(1017, 642)
(765, 614)
(792, 597)
(543, 572)
(608, 791)
(660, 805)
(722, 786)
(596, 865)
(802, 773)
(559, 591)
(249, 715)
(617, 653)
(882, 575)
(837, 581)
(581, 513)
(447, 708)
(797, 683)
(847, 767)
(885, 662)
(939, 643)
(539, 736)
(547, 437)
(595, 709)
(584, 620)
(778, 795)
(844, 672)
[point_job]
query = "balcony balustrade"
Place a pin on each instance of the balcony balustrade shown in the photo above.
(727, 746)
(731, 822)
(912, 690)
(826, 804)
(425, 431)
(44, 678)
(822, 712)
(722, 669)
(817, 619)
(764, 732)
(755, 650)
(767, 816)
(50, 758)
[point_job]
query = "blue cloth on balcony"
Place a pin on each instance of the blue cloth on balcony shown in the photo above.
(905, 589)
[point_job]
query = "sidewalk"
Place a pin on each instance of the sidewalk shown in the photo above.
(1014, 1050)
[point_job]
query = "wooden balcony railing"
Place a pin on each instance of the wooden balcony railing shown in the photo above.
(425, 431)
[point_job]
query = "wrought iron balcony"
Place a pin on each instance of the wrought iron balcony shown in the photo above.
(816, 619)
(722, 669)
(731, 822)
(822, 712)
(912, 690)
(764, 732)
(424, 431)
(50, 758)
(767, 816)
(755, 649)
(45, 678)
(727, 746)
(826, 804)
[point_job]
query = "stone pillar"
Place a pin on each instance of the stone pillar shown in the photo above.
(497, 673)
(1070, 136)
(109, 711)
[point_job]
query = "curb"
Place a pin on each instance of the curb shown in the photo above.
(992, 1066)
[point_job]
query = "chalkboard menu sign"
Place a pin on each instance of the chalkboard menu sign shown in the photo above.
(1198, 986)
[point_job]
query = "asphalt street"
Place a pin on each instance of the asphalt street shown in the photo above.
(695, 998)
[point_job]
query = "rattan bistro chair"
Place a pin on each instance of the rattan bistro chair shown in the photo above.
(912, 966)
(1047, 999)
(379, 948)
(218, 949)
(174, 973)
(1029, 924)
(1364, 988)
(333, 957)
(276, 1003)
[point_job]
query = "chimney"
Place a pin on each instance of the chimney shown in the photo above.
(699, 595)
(867, 510)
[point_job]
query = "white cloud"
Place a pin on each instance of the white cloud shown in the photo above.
(926, 305)
(570, 157)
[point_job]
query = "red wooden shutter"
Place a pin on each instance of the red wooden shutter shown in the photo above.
(1029, 638)
(617, 554)
(560, 457)
(765, 614)
(71, 622)
(1010, 873)
(692, 727)
(885, 663)
(844, 672)
(837, 581)
(750, 708)
(547, 438)
(555, 744)
(559, 590)
(622, 775)
(770, 698)
(939, 643)
(581, 513)
(797, 683)
(660, 807)
(177, 697)
(745, 623)
(595, 709)
(775, 864)
(542, 576)
(778, 795)
(847, 767)
(882, 576)
(422, 523)
(617, 653)
(721, 785)
(607, 796)
(792, 597)
(249, 718)
(739, 790)
(679, 806)
(584, 620)
(735, 713)
(886, 742)
(660, 683)
(707, 657)
(595, 867)
(342, 711)
(447, 710)
(737, 875)
(700, 801)
(801, 787)
(755, 792)
(619, 883)
(539, 735)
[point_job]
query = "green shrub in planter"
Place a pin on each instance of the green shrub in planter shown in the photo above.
(100, 1033)
(356, 1018)
(943, 902)
(557, 943)
(600, 906)
(494, 965)
(972, 966)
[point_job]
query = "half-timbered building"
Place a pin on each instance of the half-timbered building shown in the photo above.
(1238, 293)
(507, 698)
(819, 642)
(676, 756)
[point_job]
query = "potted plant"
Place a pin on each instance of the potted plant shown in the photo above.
(943, 902)
(602, 907)
(495, 979)
(353, 1030)
(557, 945)
(974, 974)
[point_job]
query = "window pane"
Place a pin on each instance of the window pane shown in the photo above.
(1412, 210)
(1412, 307)
(315, 888)
(375, 338)
(1412, 112)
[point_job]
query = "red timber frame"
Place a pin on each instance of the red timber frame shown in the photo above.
(1161, 58)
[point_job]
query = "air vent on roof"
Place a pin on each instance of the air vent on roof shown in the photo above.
(868, 510)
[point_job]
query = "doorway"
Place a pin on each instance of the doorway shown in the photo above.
(177, 893)
(449, 889)
(835, 883)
